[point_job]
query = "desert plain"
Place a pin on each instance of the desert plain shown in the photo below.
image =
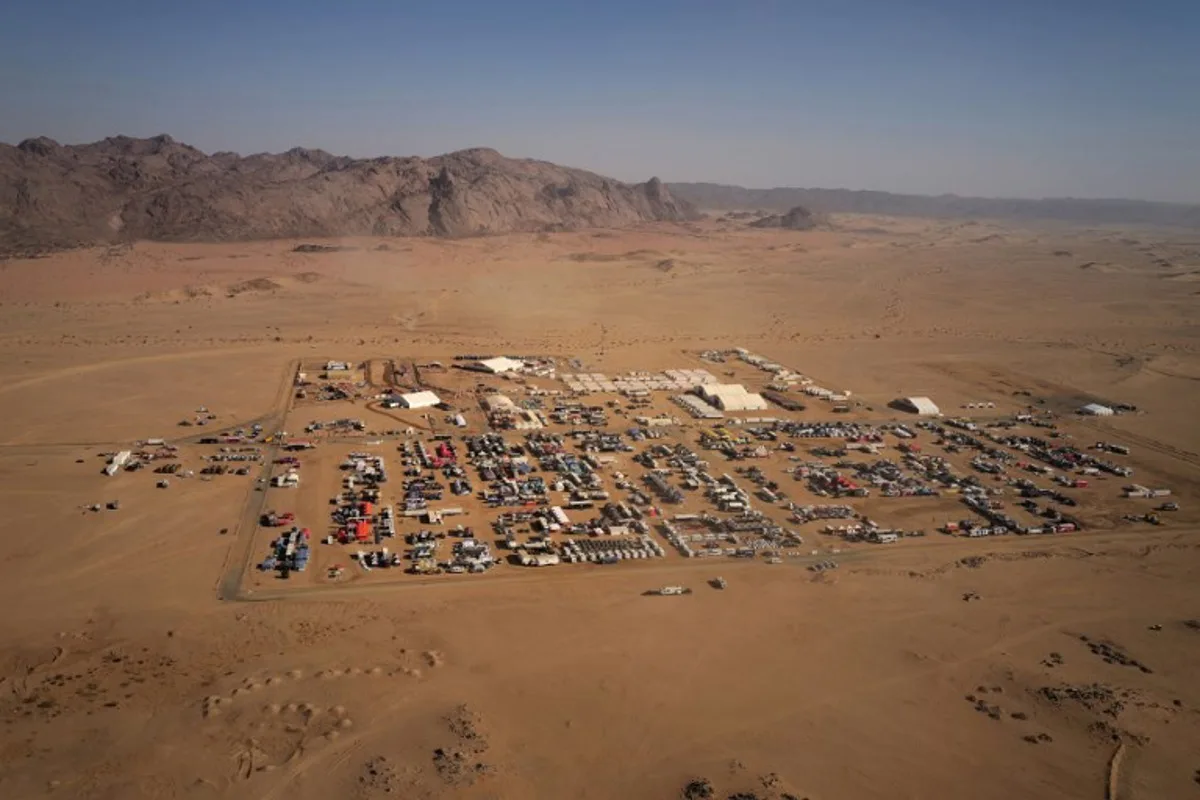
(126, 672)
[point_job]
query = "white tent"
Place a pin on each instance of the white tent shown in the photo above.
(498, 402)
(1096, 410)
(922, 406)
(501, 364)
(732, 397)
(419, 400)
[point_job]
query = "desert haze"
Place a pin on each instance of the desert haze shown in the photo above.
(157, 648)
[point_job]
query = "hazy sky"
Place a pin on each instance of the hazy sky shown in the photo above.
(1089, 98)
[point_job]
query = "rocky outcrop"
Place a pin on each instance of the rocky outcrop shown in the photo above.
(122, 189)
(796, 219)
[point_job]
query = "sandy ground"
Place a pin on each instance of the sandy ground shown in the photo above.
(122, 675)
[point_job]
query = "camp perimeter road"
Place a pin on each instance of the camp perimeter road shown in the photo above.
(237, 561)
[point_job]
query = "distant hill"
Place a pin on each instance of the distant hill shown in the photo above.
(1095, 212)
(122, 188)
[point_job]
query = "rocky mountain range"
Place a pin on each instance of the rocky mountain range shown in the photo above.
(122, 188)
(713, 196)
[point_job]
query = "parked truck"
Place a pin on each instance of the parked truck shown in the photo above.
(272, 519)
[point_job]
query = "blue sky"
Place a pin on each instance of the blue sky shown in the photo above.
(1017, 98)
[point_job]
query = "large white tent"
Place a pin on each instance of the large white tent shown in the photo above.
(500, 364)
(732, 397)
(921, 406)
(419, 400)
(499, 402)
(1096, 410)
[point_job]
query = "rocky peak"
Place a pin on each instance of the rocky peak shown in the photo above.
(39, 146)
